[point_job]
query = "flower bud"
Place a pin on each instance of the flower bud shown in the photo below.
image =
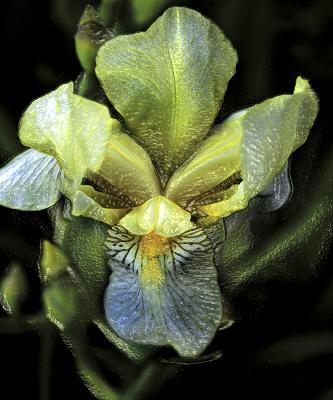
(13, 289)
(61, 302)
(52, 263)
(91, 34)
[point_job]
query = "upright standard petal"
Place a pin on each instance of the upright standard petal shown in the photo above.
(216, 160)
(158, 214)
(168, 83)
(270, 131)
(128, 168)
(69, 127)
(31, 181)
(163, 291)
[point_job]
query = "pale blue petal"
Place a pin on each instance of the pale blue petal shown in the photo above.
(277, 193)
(31, 181)
(181, 307)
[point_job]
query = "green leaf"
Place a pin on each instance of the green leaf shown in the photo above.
(13, 289)
(99, 386)
(270, 131)
(293, 254)
(64, 299)
(82, 239)
(70, 128)
(59, 296)
(158, 214)
(31, 181)
(168, 83)
(61, 302)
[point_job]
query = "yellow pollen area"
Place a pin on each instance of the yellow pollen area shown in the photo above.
(152, 274)
(152, 246)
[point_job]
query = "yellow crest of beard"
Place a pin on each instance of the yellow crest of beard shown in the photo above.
(152, 246)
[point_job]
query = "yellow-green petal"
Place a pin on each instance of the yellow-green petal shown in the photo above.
(160, 215)
(70, 128)
(271, 131)
(128, 168)
(168, 82)
(86, 202)
(217, 159)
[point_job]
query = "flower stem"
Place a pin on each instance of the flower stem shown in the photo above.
(86, 84)
(88, 370)
(47, 343)
(109, 11)
(145, 383)
(24, 324)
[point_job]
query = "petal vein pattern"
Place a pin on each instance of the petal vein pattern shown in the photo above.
(163, 291)
(31, 181)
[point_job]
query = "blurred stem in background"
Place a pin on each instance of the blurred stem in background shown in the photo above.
(109, 12)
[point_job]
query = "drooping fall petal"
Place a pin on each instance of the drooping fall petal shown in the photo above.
(163, 291)
(31, 181)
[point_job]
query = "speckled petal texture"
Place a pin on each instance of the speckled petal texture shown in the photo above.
(172, 298)
(168, 83)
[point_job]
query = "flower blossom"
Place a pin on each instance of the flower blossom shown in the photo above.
(162, 175)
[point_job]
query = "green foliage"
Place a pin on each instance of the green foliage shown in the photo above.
(291, 254)
(61, 303)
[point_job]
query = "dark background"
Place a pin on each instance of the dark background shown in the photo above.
(282, 345)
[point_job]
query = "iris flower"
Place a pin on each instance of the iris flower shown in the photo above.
(162, 175)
